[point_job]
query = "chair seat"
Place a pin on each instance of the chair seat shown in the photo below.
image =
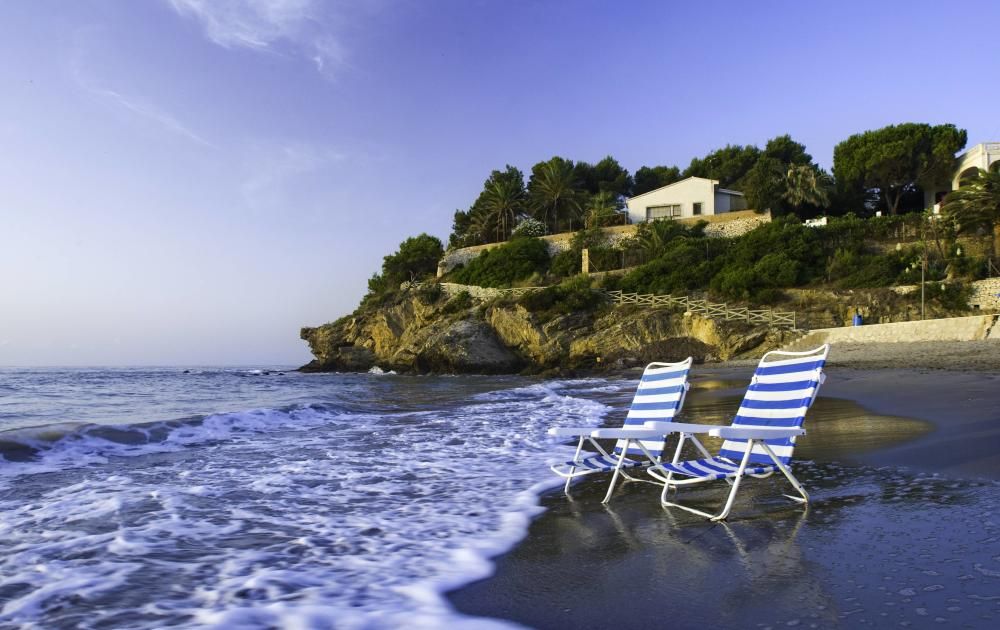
(604, 462)
(715, 468)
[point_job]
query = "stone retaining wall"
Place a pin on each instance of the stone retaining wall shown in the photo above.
(452, 289)
(947, 329)
(728, 225)
(986, 294)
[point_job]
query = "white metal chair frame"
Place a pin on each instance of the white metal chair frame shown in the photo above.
(585, 435)
(755, 435)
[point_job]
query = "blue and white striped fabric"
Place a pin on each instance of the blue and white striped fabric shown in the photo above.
(658, 398)
(603, 462)
(779, 395)
(715, 468)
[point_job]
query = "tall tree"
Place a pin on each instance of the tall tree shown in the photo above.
(787, 151)
(602, 209)
(764, 185)
(417, 257)
(897, 159)
(554, 191)
(976, 204)
(729, 165)
(483, 219)
(612, 178)
(649, 178)
(806, 185)
(460, 229)
(503, 201)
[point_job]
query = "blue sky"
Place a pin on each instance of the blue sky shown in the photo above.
(190, 181)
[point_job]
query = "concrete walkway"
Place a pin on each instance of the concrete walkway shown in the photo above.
(974, 328)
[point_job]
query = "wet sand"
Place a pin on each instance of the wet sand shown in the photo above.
(903, 467)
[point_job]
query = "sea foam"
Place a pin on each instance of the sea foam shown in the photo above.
(308, 516)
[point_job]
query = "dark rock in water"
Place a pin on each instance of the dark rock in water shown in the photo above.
(342, 359)
(187, 371)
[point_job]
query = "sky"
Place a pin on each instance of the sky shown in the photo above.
(188, 182)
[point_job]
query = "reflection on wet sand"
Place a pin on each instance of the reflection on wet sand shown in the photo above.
(876, 547)
(836, 429)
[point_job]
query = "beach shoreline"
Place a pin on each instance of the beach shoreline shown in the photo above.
(583, 564)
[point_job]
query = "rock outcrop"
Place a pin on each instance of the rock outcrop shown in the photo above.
(421, 333)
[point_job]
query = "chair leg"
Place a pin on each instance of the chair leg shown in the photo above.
(736, 484)
(618, 469)
(729, 500)
(788, 475)
(572, 469)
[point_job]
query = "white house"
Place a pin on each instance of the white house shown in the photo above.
(985, 155)
(691, 197)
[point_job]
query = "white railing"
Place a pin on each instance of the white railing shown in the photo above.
(708, 309)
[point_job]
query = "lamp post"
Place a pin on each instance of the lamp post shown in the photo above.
(923, 262)
(923, 269)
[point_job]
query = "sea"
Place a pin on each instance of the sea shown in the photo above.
(264, 497)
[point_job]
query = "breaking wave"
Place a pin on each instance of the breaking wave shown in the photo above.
(310, 515)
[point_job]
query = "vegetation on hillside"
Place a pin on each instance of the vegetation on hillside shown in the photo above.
(884, 169)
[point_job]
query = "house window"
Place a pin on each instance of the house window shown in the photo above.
(663, 212)
(696, 209)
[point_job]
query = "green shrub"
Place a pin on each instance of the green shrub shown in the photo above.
(565, 264)
(570, 296)
(430, 292)
(953, 296)
(506, 264)
(589, 238)
(852, 270)
(461, 302)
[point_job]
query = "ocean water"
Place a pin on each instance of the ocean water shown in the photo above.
(146, 498)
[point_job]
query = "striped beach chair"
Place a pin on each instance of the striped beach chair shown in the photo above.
(659, 398)
(761, 438)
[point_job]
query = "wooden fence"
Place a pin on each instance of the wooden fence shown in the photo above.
(709, 309)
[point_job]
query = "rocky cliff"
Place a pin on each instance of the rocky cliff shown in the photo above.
(425, 332)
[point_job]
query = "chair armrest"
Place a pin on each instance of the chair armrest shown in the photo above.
(755, 433)
(569, 431)
(633, 434)
(679, 427)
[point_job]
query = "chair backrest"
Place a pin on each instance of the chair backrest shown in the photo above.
(781, 391)
(659, 397)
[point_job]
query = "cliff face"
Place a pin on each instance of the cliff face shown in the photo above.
(419, 334)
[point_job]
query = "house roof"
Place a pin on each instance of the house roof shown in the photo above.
(715, 182)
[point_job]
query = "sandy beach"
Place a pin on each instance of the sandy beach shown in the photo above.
(902, 461)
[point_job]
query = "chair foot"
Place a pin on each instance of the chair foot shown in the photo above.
(796, 499)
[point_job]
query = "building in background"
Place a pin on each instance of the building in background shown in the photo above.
(985, 155)
(691, 197)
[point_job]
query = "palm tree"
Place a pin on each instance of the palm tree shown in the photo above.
(480, 227)
(601, 209)
(803, 185)
(976, 204)
(652, 238)
(502, 202)
(554, 190)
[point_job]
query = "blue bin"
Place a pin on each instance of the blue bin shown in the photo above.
(857, 319)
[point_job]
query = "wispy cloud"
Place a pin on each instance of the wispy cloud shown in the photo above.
(152, 114)
(135, 106)
(299, 27)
